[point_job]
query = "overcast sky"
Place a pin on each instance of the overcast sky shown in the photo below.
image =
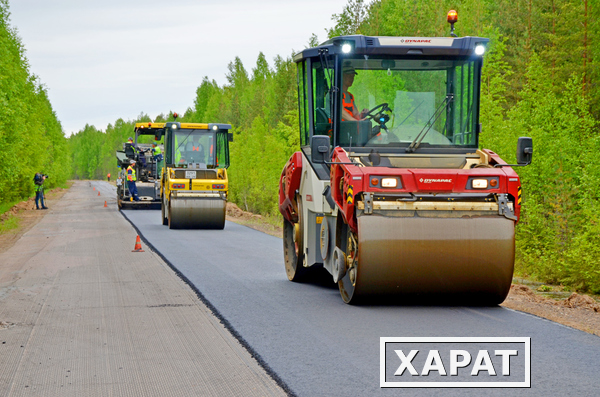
(101, 60)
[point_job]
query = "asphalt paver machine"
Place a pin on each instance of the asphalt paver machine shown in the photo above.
(398, 201)
(146, 167)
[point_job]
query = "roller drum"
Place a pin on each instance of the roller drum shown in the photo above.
(197, 213)
(467, 260)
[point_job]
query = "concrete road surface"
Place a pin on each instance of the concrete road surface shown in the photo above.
(83, 315)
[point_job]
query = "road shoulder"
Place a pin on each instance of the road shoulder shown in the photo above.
(81, 314)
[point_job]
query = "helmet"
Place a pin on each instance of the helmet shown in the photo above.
(348, 69)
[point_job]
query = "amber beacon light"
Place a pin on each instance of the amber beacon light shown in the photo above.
(452, 19)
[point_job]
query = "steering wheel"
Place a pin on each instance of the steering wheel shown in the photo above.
(371, 113)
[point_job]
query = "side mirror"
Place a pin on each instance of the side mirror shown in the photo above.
(524, 151)
(158, 134)
(230, 136)
(319, 149)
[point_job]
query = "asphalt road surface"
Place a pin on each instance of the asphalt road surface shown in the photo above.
(318, 346)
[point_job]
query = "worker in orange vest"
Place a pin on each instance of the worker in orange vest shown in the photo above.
(349, 110)
(108, 176)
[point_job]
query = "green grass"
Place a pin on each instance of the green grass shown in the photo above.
(7, 206)
(273, 220)
(12, 222)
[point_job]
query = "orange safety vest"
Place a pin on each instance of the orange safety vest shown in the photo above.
(195, 148)
(349, 106)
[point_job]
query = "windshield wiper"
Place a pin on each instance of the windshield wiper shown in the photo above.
(436, 115)
(184, 139)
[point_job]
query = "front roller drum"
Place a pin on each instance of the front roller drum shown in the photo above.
(197, 213)
(432, 260)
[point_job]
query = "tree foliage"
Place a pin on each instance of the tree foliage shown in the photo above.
(31, 136)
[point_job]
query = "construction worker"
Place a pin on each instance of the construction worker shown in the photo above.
(131, 178)
(158, 159)
(349, 110)
(195, 150)
(39, 179)
(130, 142)
(108, 176)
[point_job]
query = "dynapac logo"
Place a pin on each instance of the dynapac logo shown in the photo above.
(416, 41)
(435, 180)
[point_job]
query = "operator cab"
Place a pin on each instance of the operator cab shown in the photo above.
(199, 146)
(409, 95)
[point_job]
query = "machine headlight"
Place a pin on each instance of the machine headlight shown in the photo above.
(389, 182)
(479, 50)
(480, 183)
(346, 48)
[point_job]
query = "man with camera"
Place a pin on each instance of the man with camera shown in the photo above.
(39, 179)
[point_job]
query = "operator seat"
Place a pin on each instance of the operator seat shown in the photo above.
(195, 155)
(129, 152)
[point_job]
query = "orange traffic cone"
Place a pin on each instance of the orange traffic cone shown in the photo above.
(94, 187)
(98, 193)
(105, 205)
(138, 245)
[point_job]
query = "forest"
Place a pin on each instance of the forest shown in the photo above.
(31, 136)
(541, 79)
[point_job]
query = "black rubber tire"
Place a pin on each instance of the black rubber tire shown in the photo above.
(171, 223)
(163, 212)
(293, 251)
(345, 285)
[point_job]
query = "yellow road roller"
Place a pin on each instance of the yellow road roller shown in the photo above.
(194, 184)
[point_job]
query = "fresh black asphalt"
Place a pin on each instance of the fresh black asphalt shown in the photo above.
(316, 345)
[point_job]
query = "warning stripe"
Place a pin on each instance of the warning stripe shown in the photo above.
(350, 197)
(519, 195)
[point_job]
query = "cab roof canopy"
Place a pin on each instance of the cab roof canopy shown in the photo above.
(407, 46)
(149, 128)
